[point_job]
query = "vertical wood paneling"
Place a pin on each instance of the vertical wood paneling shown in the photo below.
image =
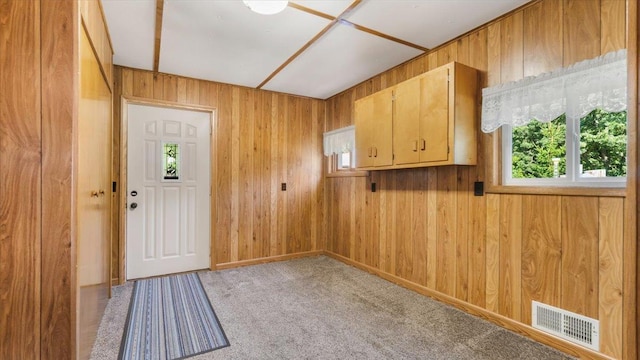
(222, 173)
(542, 42)
(462, 233)
(261, 139)
(613, 26)
(581, 30)
(477, 240)
(404, 240)
(373, 222)
(511, 48)
(580, 255)
(541, 252)
(392, 213)
(432, 226)
(509, 288)
(493, 253)
(235, 244)
(446, 231)
(20, 138)
(244, 161)
(58, 29)
(494, 63)
(610, 264)
(419, 227)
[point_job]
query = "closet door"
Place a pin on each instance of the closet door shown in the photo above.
(93, 197)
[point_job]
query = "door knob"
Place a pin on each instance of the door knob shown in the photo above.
(133, 206)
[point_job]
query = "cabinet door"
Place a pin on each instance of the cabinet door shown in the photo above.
(406, 122)
(434, 116)
(364, 126)
(382, 130)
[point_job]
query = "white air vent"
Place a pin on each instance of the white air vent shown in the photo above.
(570, 326)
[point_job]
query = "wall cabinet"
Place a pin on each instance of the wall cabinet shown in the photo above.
(427, 120)
(373, 122)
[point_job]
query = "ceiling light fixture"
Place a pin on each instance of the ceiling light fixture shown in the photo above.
(266, 7)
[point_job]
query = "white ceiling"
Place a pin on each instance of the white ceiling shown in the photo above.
(224, 41)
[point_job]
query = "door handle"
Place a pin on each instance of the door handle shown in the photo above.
(133, 206)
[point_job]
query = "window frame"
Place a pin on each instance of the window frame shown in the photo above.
(572, 179)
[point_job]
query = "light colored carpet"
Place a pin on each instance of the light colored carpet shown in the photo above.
(319, 308)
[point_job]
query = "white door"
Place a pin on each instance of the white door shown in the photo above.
(168, 190)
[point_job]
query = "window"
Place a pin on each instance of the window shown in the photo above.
(171, 162)
(589, 152)
(563, 128)
(339, 148)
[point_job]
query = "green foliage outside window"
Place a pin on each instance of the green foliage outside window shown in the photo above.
(603, 142)
(535, 145)
(603, 139)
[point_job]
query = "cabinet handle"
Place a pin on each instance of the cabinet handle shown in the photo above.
(375, 152)
(369, 151)
(94, 193)
(415, 145)
(423, 144)
(101, 192)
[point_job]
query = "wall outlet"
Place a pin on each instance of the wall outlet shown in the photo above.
(478, 188)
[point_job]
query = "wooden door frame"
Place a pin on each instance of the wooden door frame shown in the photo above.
(125, 101)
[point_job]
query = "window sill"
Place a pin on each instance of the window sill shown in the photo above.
(550, 190)
(347, 173)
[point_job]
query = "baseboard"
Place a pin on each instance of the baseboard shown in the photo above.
(498, 319)
(264, 260)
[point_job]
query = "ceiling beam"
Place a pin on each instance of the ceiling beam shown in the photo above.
(382, 35)
(311, 11)
(158, 35)
(314, 39)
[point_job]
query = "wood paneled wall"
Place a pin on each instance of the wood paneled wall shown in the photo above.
(261, 139)
(20, 138)
(497, 251)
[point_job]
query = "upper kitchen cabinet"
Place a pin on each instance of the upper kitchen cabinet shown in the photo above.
(373, 122)
(433, 118)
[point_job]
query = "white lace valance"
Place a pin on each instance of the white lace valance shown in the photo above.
(339, 140)
(575, 91)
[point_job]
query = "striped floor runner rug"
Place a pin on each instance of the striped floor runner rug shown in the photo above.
(170, 318)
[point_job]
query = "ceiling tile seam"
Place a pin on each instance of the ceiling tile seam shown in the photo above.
(158, 35)
(382, 35)
(309, 43)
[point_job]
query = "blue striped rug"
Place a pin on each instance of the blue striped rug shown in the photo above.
(170, 318)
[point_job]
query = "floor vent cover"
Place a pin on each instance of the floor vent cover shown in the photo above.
(570, 326)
